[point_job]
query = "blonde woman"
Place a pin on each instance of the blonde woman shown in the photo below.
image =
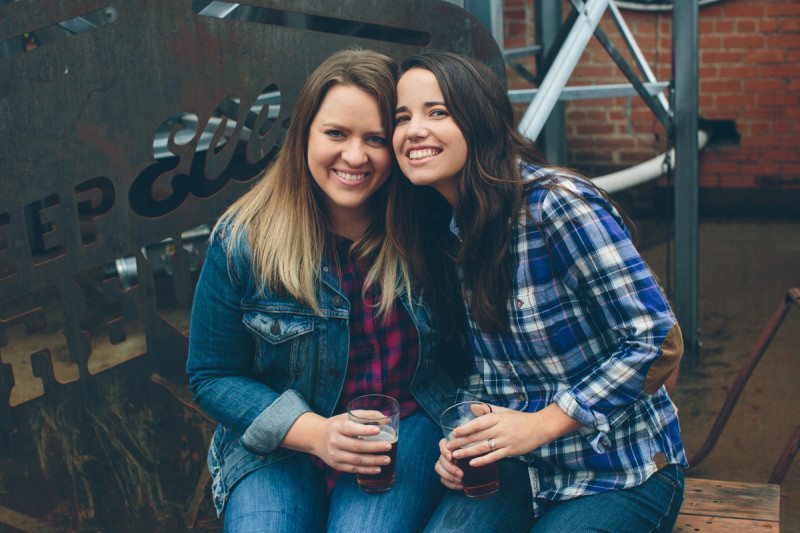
(303, 305)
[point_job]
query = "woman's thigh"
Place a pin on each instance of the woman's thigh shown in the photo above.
(285, 496)
(652, 506)
(508, 510)
(412, 499)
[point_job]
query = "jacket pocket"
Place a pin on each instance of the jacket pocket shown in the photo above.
(282, 345)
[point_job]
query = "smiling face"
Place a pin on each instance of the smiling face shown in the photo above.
(429, 145)
(348, 156)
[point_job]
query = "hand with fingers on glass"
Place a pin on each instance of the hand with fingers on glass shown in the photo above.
(342, 446)
(451, 476)
(506, 433)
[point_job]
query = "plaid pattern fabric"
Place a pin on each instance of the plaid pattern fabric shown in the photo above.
(587, 319)
(383, 353)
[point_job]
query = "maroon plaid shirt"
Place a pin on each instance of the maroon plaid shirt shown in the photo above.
(383, 353)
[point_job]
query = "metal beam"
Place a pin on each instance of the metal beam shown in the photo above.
(556, 79)
(655, 106)
(635, 51)
(685, 75)
(490, 12)
(589, 92)
(513, 54)
(554, 138)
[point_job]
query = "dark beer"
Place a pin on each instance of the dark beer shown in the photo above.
(483, 481)
(479, 482)
(382, 481)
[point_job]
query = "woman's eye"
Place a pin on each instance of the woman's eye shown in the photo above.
(336, 134)
(377, 140)
(439, 113)
(398, 120)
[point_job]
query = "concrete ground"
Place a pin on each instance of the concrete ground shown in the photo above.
(746, 268)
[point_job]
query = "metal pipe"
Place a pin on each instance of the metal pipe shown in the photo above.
(658, 110)
(792, 297)
(684, 134)
(633, 6)
(553, 137)
(641, 173)
(536, 115)
(588, 92)
(785, 461)
(513, 54)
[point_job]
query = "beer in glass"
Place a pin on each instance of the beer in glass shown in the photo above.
(384, 412)
(482, 481)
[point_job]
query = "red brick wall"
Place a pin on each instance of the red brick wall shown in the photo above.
(749, 73)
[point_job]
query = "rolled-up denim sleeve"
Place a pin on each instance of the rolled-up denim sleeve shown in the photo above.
(221, 360)
(596, 258)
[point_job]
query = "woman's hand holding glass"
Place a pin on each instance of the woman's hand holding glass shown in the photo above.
(452, 477)
(339, 446)
(505, 433)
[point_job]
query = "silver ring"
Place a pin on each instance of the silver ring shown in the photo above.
(490, 442)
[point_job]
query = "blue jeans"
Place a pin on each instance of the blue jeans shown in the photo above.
(508, 510)
(290, 495)
(652, 506)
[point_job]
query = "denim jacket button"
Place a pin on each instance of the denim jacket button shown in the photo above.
(338, 301)
(275, 329)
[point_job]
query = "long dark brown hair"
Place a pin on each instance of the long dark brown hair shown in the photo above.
(490, 197)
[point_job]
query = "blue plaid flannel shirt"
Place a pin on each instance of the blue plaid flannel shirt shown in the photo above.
(591, 331)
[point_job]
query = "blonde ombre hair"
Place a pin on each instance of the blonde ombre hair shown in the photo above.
(282, 214)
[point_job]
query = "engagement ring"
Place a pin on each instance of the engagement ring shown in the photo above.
(490, 442)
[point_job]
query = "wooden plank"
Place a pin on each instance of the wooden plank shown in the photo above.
(694, 523)
(731, 499)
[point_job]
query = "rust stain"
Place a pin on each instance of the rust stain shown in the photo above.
(98, 136)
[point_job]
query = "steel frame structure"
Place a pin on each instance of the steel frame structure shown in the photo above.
(557, 57)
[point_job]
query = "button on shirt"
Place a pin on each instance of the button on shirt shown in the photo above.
(587, 322)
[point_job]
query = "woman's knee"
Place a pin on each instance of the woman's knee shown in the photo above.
(651, 506)
(279, 497)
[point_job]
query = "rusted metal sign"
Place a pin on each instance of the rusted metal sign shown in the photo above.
(126, 127)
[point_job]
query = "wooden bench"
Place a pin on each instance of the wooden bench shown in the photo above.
(710, 505)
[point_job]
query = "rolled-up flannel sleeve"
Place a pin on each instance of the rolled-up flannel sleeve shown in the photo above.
(593, 254)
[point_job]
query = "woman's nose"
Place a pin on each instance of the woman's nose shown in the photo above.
(416, 130)
(354, 154)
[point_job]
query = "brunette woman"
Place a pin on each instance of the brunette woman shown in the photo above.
(571, 334)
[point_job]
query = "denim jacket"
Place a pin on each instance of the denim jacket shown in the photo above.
(259, 359)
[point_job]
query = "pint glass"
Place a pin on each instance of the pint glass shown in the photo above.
(479, 482)
(384, 412)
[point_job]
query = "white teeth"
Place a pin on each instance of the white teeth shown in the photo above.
(350, 177)
(423, 153)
